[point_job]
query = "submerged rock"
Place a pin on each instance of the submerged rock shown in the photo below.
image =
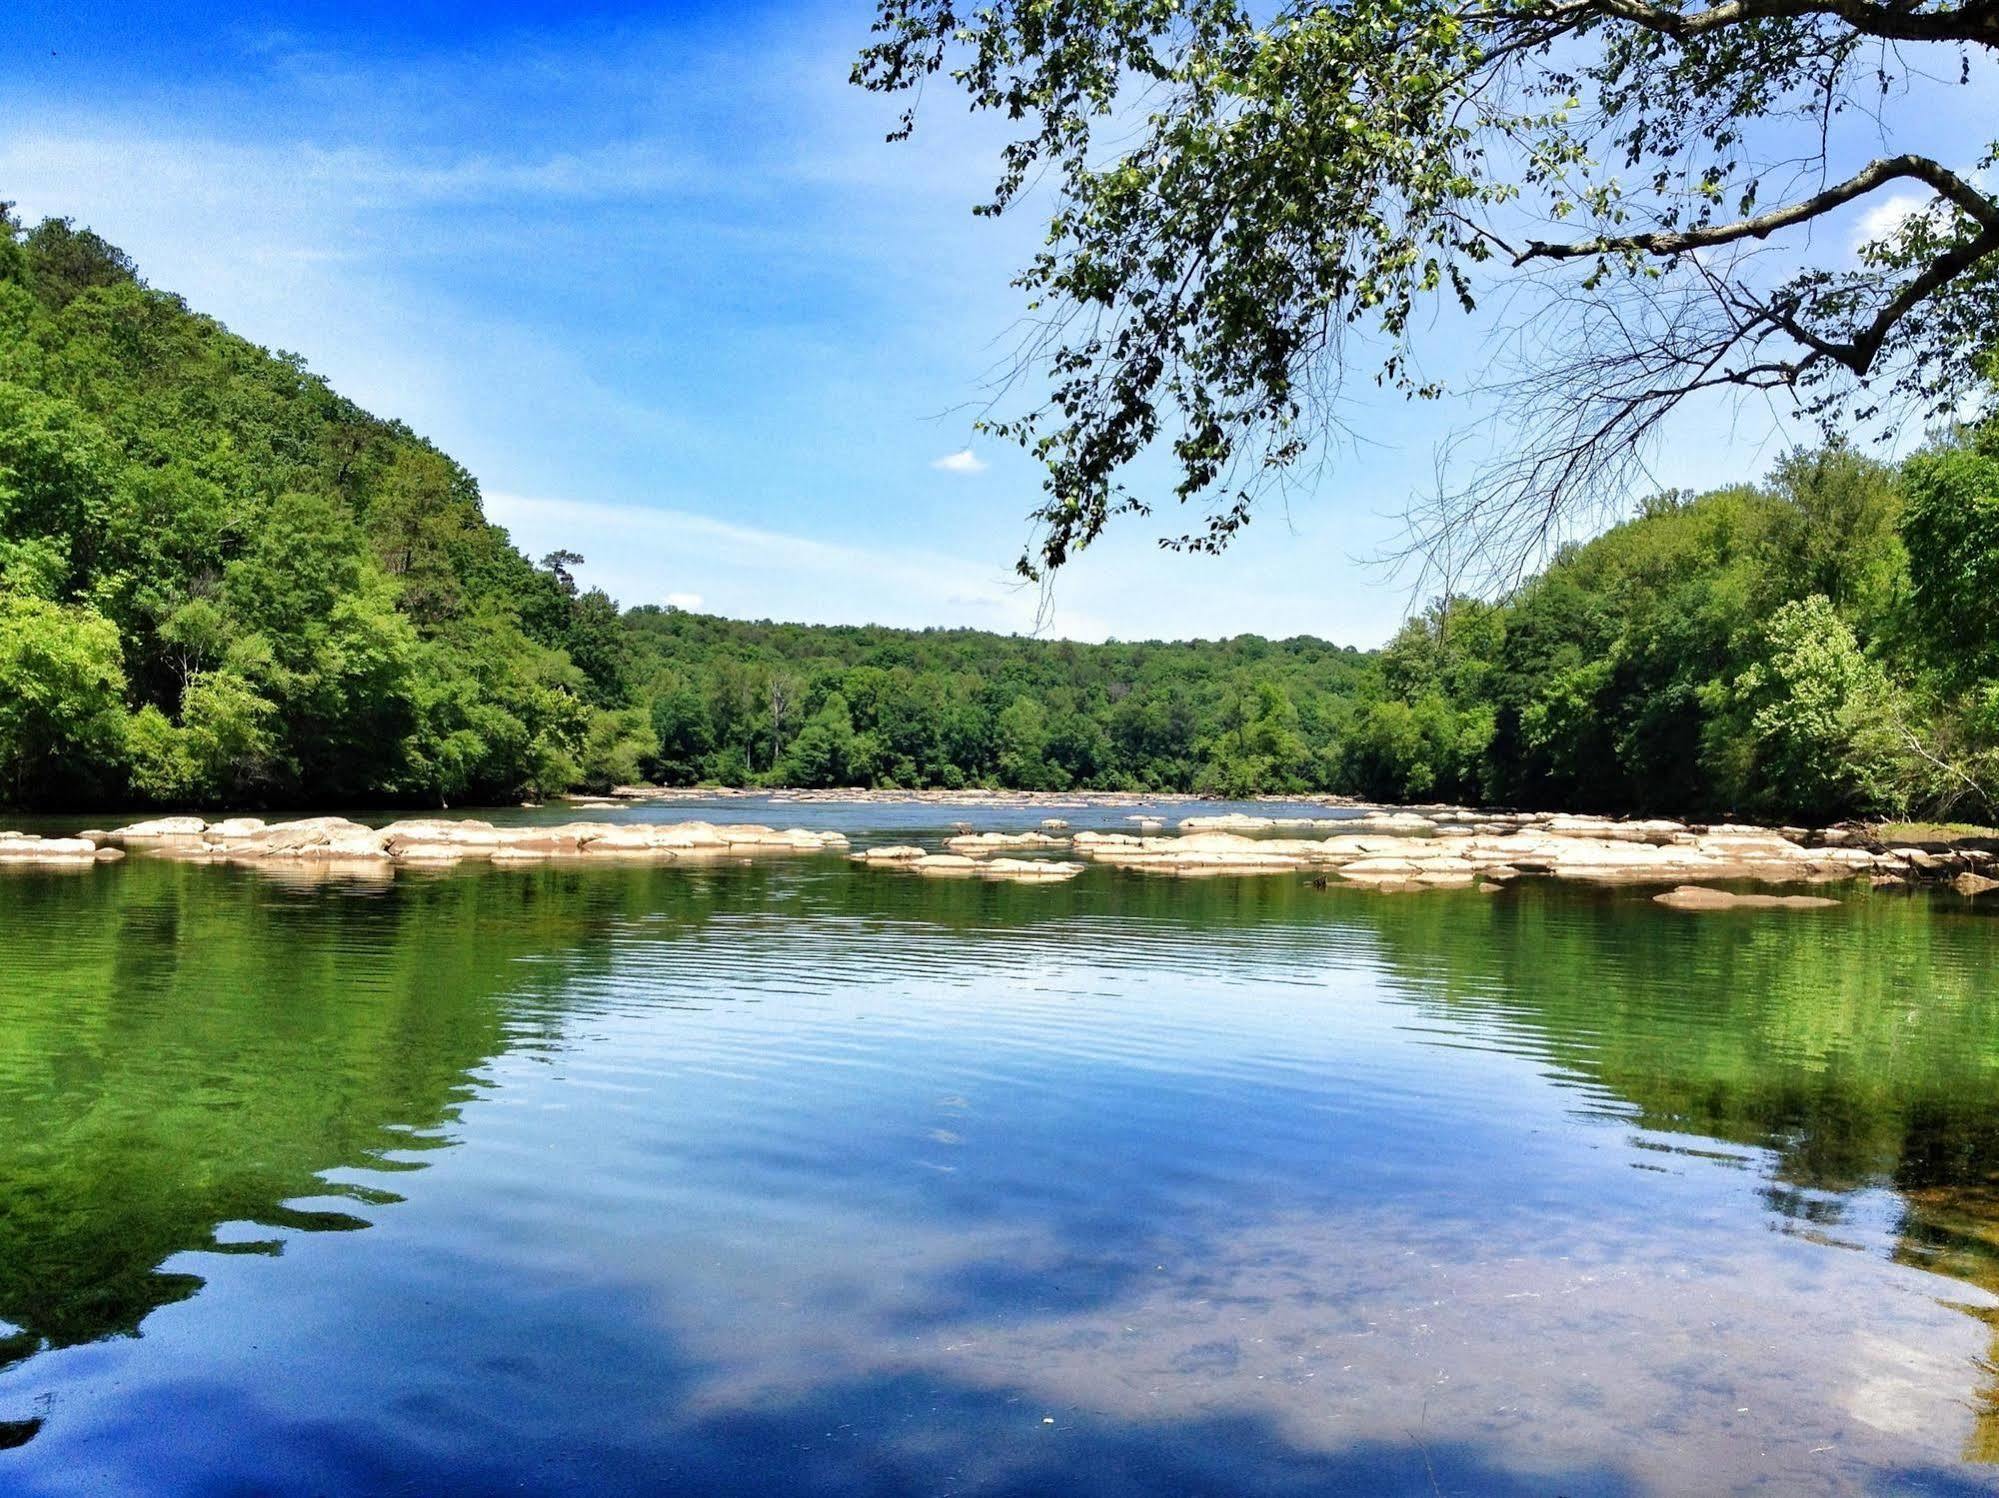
(1701, 897)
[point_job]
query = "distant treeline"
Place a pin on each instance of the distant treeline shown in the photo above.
(223, 583)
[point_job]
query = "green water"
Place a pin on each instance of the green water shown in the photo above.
(802, 1177)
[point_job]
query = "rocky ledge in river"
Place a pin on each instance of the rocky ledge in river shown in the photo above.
(1444, 847)
(413, 841)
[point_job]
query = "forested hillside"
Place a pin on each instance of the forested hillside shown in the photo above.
(1819, 645)
(222, 583)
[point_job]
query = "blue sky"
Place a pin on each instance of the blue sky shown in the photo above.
(654, 276)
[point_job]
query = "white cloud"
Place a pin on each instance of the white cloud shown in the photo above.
(1885, 217)
(962, 461)
(688, 601)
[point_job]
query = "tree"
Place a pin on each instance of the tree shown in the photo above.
(1255, 202)
(616, 747)
(221, 748)
(1020, 733)
(825, 751)
(1823, 718)
(680, 724)
(416, 518)
(62, 717)
(1952, 533)
(782, 691)
(65, 261)
(58, 473)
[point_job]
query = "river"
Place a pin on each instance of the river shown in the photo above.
(794, 1176)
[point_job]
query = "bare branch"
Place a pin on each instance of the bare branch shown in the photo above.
(1875, 174)
(1975, 22)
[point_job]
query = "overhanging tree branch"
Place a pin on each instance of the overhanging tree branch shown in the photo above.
(1875, 174)
(1304, 184)
(1977, 22)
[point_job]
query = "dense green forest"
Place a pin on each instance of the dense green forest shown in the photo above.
(222, 583)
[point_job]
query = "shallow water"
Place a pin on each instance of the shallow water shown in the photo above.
(797, 1177)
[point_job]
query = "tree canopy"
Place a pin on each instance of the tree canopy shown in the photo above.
(221, 581)
(1254, 204)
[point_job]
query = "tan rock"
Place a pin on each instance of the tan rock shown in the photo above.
(1380, 868)
(1700, 897)
(432, 832)
(161, 827)
(1029, 870)
(310, 837)
(946, 863)
(433, 853)
(1234, 821)
(1973, 884)
(990, 842)
(27, 848)
(629, 840)
(1409, 823)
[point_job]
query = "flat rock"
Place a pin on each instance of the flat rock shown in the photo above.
(22, 847)
(162, 827)
(989, 842)
(1029, 870)
(1700, 897)
(1234, 821)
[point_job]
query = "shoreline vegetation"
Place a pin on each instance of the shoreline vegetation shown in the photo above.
(224, 585)
(1375, 847)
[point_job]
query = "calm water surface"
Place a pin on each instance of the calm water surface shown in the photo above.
(801, 1178)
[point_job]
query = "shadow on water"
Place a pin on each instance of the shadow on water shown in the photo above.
(199, 1051)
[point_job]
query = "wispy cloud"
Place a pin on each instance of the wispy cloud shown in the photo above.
(752, 572)
(689, 601)
(962, 461)
(1885, 217)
